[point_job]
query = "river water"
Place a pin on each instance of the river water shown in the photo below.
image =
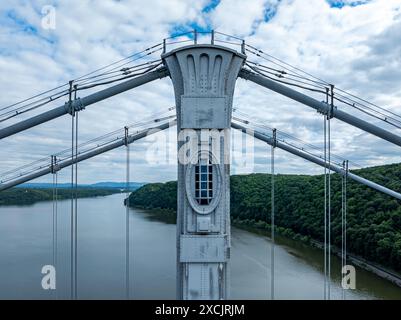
(26, 246)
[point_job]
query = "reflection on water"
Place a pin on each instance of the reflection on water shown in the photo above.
(26, 245)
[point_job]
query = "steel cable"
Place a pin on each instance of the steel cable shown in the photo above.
(382, 114)
(32, 105)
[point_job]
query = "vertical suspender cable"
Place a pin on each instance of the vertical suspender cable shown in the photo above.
(342, 225)
(76, 203)
(127, 237)
(272, 213)
(325, 201)
(56, 223)
(344, 235)
(345, 211)
(72, 195)
(329, 191)
(54, 215)
(53, 206)
(328, 210)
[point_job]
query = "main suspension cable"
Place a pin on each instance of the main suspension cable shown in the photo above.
(290, 72)
(283, 64)
(108, 79)
(44, 98)
(286, 73)
(120, 61)
(285, 137)
(90, 145)
(118, 73)
(300, 85)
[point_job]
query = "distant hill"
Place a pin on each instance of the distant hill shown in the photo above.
(118, 185)
(99, 185)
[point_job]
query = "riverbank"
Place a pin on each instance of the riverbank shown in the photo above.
(379, 270)
(262, 228)
(21, 196)
(164, 215)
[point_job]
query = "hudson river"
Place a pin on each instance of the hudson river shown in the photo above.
(26, 246)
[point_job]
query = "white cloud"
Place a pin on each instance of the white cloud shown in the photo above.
(355, 47)
(237, 16)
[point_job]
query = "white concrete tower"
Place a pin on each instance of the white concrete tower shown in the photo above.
(204, 79)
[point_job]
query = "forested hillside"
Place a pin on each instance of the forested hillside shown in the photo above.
(20, 196)
(374, 219)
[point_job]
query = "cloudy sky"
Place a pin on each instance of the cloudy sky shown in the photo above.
(354, 44)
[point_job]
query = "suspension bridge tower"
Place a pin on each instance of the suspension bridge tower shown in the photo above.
(204, 78)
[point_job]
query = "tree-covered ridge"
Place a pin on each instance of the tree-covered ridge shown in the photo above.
(374, 219)
(155, 195)
(20, 196)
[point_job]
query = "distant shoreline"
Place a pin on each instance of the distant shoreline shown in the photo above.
(29, 196)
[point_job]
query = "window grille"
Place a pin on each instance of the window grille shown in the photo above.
(204, 183)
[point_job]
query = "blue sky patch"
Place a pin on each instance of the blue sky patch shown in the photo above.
(270, 11)
(211, 6)
(23, 25)
(179, 29)
(340, 4)
(18, 24)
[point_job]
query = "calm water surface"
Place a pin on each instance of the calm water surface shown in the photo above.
(26, 245)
